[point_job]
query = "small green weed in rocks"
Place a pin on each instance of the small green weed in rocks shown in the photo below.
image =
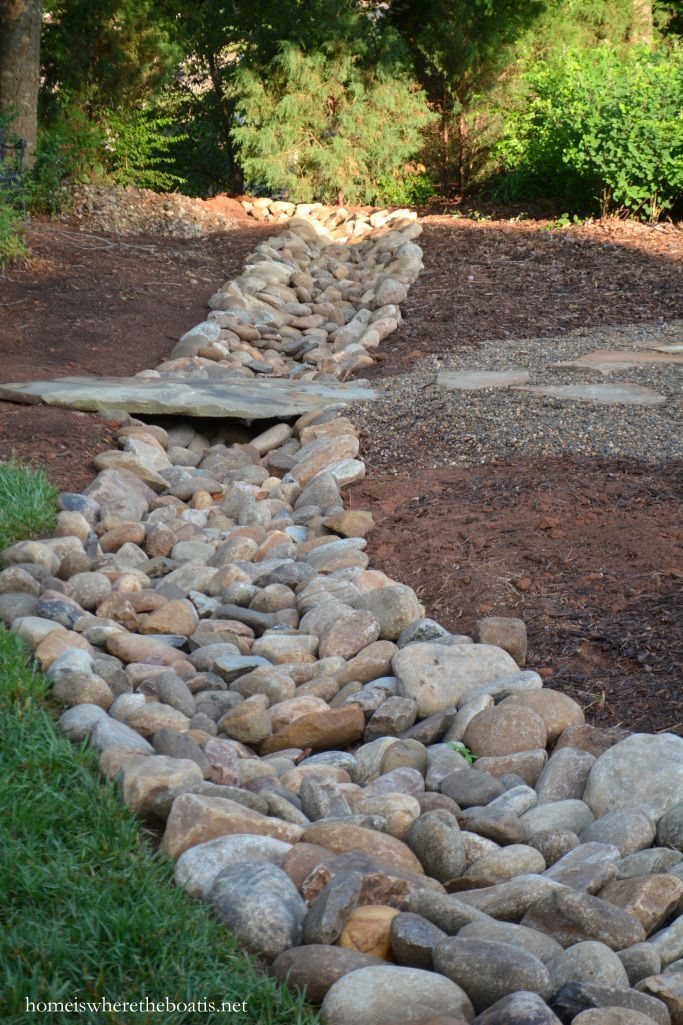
(455, 745)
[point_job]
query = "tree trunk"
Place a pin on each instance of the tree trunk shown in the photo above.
(20, 69)
(446, 143)
(642, 25)
(462, 150)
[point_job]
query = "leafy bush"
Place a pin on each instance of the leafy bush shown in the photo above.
(320, 127)
(602, 130)
(138, 149)
(411, 189)
(70, 152)
(13, 246)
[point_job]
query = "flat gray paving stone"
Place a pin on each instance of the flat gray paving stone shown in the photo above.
(245, 399)
(607, 360)
(475, 380)
(603, 394)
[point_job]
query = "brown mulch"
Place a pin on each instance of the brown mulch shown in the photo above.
(489, 280)
(99, 305)
(583, 551)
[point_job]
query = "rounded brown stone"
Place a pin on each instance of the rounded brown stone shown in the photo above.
(504, 730)
(557, 710)
(303, 859)
(369, 931)
(314, 968)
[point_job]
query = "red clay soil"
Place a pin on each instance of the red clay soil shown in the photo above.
(584, 551)
(113, 306)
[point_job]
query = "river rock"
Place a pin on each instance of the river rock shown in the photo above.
(505, 729)
(313, 969)
(388, 994)
(649, 899)
(643, 771)
(587, 867)
(413, 939)
(588, 962)
(439, 676)
(142, 781)
(521, 1008)
(570, 917)
(564, 776)
(319, 731)
(488, 970)
(435, 838)
(195, 819)
(544, 947)
(508, 634)
(395, 606)
(341, 837)
(576, 997)
(368, 930)
(629, 829)
(197, 868)
(261, 907)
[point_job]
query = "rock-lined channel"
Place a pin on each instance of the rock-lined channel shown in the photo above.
(207, 614)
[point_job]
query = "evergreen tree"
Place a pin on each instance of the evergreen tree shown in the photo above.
(324, 127)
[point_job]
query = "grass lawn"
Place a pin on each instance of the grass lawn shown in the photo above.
(27, 503)
(89, 910)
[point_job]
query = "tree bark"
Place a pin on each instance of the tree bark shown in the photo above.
(642, 25)
(20, 69)
(462, 150)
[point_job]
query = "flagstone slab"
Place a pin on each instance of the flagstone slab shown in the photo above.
(605, 394)
(607, 360)
(245, 399)
(475, 380)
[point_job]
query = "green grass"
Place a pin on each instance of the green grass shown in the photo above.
(27, 503)
(89, 909)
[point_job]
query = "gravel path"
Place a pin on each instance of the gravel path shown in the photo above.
(417, 423)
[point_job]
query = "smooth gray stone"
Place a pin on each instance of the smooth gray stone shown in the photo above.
(626, 828)
(332, 908)
(261, 906)
(436, 840)
(640, 961)
(565, 775)
(588, 962)
(488, 970)
(544, 947)
(444, 911)
(649, 862)
(670, 828)
(197, 868)
(322, 798)
(571, 916)
(588, 867)
(470, 788)
(521, 1008)
(643, 771)
(575, 997)
(108, 733)
(511, 901)
(389, 994)
(78, 722)
(246, 398)
(413, 939)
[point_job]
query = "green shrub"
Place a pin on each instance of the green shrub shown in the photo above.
(70, 152)
(411, 189)
(321, 127)
(603, 131)
(138, 149)
(134, 148)
(13, 248)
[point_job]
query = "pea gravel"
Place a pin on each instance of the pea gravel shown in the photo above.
(416, 423)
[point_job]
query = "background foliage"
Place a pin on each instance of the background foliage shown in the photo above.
(368, 102)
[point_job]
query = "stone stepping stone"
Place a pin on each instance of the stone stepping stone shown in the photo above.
(603, 394)
(607, 360)
(476, 380)
(248, 399)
